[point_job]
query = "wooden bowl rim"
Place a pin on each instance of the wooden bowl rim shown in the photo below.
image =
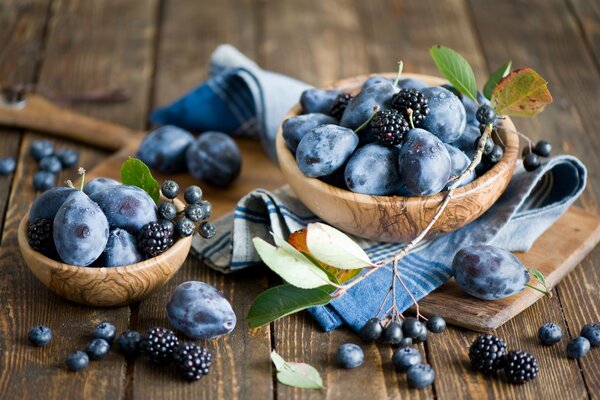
(183, 244)
(506, 165)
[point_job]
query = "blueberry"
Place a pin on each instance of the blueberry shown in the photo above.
(424, 163)
(200, 311)
(80, 230)
(126, 207)
(295, 128)
(51, 164)
(97, 349)
(207, 230)
(446, 118)
(542, 148)
(192, 194)
(105, 330)
(392, 334)
(373, 169)
(349, 355)
(40, 149)
(549, 334)
(129, 343)
(485, 115)
(436, 324)
(40, 335)
(489, 272)
(99, 184)
(317, 100)
(170, 189)
(578, 347)
(121, 249)
(420, 376)
(531, 162)
(360, 108)
(412, 328)
(325, 149)
(167, 210)
(371, 330)
(43, 180)
(460, 162)
(592, 333)
(7, 165)
(411, 83)
(406, 357)
(471, 107)
(214, 158)
(77, 361)
(46, 205)
(68, 157)
(185, 227)
(496, 154)
(164, 149)
(198, 212)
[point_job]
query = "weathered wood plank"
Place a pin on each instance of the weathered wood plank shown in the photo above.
(71, 66)
(587, 14)
(241, 367)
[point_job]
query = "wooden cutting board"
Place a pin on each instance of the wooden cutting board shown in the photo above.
(555, 253)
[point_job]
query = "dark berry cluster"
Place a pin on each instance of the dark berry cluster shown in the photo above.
(412, 104)
(50, 163)
(192, 360)
(339, 105)
(155, 238)
(389, 127)
(531, 154)
(39, 236)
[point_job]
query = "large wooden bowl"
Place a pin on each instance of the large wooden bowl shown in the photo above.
(396, 218)
(103, 286)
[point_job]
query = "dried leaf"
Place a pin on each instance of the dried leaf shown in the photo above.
(522, 93)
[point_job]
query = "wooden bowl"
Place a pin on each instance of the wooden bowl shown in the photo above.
(397, 218)
(117, 286)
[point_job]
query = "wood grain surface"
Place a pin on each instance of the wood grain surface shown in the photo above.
(158, 50)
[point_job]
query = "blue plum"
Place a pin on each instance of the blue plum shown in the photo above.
(376, 80)
(424, 163)
(200, 311)
(163, 149)
(80, 230)
(373, 169)
(466, 141)
(46, 205)
(294, 128)
(126, 207)
(460, 162)
(99, 184)
(318, 100)
(488, 272)
(360, 108)
(120, 249)
(411, 83)
(446, 119)
(214, 158)
(325, 149)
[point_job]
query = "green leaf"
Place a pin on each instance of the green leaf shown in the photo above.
(298, 375)
(335, 248)
(135, 173)
(494, 78)
(456, 69)
(538, 275)
(522, 93)
(290, 264)
(282, 300)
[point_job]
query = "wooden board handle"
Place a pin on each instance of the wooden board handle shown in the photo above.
(39, 114)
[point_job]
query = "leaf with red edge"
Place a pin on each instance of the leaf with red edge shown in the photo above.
(522, 93)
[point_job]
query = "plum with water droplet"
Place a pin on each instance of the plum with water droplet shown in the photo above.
(99, 184)
(120, 250)
(126, 207)
(447, 118)
(163, 149)
(46, 205)
(200, 311)
(295, 128)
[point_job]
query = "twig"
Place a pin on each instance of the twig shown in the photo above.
(342, 290)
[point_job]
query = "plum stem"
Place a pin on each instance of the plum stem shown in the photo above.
(409, 111)
(400, 67)
(543, 291)
(368, 121)
(81, 171)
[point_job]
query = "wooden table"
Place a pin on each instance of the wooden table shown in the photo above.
(157, 50)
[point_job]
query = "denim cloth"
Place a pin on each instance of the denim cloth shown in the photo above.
(531, 203)
(241, 99)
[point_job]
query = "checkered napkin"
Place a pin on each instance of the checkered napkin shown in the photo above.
(241, 99)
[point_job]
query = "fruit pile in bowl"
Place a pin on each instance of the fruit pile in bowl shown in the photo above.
(373, 156)
(108, 243)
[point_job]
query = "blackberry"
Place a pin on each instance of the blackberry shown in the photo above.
(339, 105)
(413, 99)
(159, 344)
(39, 236)
(520, 367)
(389, 127)
(154, 238)
(192, 360)
(486, 353)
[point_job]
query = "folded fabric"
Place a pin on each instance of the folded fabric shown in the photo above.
(532, 202)
(239, 98)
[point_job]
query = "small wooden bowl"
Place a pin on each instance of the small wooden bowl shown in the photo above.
(117, 286)
(397, 218)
